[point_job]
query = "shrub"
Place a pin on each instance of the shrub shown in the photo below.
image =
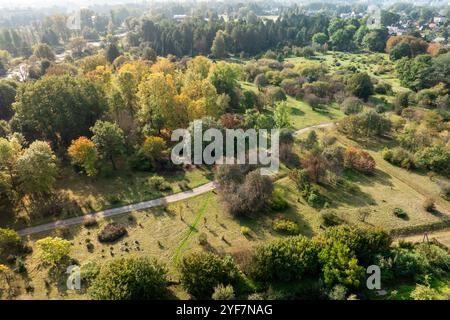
(330, 219)
(400, 213)
(408, 264)
(277, 202)
(222, 292)
(399, 157)
(88, 272)
(429, 205)
(359, 160)
(352, 105)
(158, 183)
(286, 259)
(202, 239)
(286, 226)
(130, 279)
(435, 158)
(245, 231)
(10, 242)
(112, 232)
(201, 272)
(437, 257)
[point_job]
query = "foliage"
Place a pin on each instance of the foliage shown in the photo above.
(158, 183)
(130, 279)
(10, 242)
(360, 85)
(58, 109)
(154, 149)
(53, 250)
(286, 226)
(359, 160)
(222, 292)
(285, 260)
(201, 272)
(83, 153)
(400, 213)
(36, 169)
(436, 158)
(366, 124)
(109, 140)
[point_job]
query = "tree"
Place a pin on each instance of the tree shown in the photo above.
(359, 160)
(201, 272)
(360, 85)
(53, 250)
(10, 242)
(7, 97)
(417, 73)
(340, 266)
(401, 50)
(111, 53)
(154, 149)
(36, 169)
(218, 48)
(44, 51)
(109, 140)
(320, 38)
(130, 279)
(375, 40)
(77, 46)
(417, 45)
(315, 164)
(149, 54)
(58, 109)
(83, 153)
(289, 259)
(436, 158)
(261, 81)
(281, 115)
(352, 105)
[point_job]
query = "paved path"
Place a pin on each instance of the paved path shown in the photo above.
(141, 205)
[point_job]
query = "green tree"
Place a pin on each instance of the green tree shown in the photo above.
(112, 52)
(154, 149)
(58, 109)
(401, 50)
(360, 85)
(218, 48)
(7, 97)
(201, 272)
(44, 51)
(340, 266)
(10, 242)
(109, 139)
(83, 153)
(285, 260)
(36, 169)
(53, 250)
(375, 40)
(320, 38)
(130, 279)
(436, 158)
(281, 115)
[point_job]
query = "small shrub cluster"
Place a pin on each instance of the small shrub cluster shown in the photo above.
(400, 213)
(286, 226)
(158, 183)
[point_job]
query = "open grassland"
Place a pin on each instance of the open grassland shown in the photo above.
(100, 193)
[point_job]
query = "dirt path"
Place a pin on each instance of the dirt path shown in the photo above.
(141, 205)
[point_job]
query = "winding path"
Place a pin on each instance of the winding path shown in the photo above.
(141, 205)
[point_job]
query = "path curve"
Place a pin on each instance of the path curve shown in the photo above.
(141, 205)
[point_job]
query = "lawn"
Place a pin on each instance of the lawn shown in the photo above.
(125, 187)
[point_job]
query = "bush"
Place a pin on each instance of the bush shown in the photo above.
(352, 105)
(112, 232)
(130, 279)
(435, 158)
(286, 226)
(10, 242)
(222, 292)
(399, 157)
(286, 260)
(158, 183)
(201, 272)
(408, 264)
(245, 231)
(429, 205)
(400, 213)
(330, 219)
(277, 202)
(359, 160)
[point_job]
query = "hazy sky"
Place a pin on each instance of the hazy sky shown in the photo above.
(70, 3)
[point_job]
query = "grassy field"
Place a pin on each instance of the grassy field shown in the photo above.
(302, 115)
(95, 194)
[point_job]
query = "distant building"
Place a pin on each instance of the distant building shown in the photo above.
(439, 20)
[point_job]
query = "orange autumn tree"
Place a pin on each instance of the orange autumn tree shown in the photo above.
(359, 160)
(83, 153)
